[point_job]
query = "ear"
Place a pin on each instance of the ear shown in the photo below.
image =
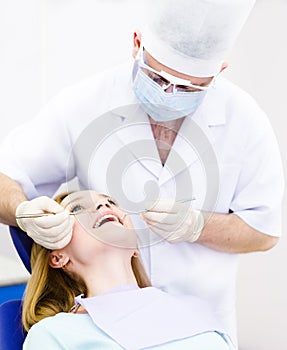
(136, 254)
(224, 66)
(58, 260)
(136, 43)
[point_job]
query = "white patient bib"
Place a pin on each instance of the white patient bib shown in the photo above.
(138, 318)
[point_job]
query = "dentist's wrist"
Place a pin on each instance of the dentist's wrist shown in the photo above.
(20, 210)
(198, 220)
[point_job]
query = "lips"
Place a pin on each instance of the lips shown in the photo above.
(106, 217)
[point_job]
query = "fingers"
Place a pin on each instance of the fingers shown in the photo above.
(166, 211)
(174, 222)
(165, 230)
(53, 238)
(164, 218)
(164, 206)
(52, 231)
(47, 204)
(161, 218)
(59, 244)
(168, 235)
(52, 221)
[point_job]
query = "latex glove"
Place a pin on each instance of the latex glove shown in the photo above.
(53, 231)
(174, 221)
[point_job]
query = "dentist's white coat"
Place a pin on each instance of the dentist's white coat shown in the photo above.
(226, 156)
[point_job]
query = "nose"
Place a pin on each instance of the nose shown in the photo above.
(103, 204)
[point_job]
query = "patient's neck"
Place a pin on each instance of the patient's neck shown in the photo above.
(108, 273)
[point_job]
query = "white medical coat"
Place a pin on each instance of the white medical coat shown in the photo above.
(87, 131)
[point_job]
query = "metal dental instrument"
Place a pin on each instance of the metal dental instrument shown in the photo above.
(37, 215)
(40, 215)
(145, 210)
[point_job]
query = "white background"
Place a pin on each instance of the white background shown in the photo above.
(47, 45)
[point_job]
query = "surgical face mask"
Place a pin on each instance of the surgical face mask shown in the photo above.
(150, 85)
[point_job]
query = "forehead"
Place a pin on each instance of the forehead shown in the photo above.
(159, 66)
(83, 197)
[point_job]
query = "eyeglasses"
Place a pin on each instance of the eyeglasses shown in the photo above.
(165, 80)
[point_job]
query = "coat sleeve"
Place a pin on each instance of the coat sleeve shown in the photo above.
(260, 187)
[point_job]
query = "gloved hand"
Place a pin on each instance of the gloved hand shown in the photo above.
(52, 231)
(174, 221)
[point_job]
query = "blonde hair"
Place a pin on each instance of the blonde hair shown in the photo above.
(50, 291)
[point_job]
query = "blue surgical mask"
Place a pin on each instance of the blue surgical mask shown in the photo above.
(164, 106)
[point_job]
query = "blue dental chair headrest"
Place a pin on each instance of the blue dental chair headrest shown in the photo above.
(12, 334)
(23, 244)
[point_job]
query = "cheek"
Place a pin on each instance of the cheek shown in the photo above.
(84, 247)
(77, 244)
(128, 222)
(83, 243)
(77, 232)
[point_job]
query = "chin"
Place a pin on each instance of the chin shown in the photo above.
(116, 235)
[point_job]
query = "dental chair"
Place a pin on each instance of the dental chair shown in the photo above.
(12, 334)
(23, 244)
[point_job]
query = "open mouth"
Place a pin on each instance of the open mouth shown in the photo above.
(106, 218)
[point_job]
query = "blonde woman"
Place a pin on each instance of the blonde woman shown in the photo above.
(95, 294)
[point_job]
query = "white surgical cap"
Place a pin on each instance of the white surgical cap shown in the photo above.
(193, 36)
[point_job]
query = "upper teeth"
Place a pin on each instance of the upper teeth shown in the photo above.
(102, 218)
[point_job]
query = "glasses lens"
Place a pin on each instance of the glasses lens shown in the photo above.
(157, 78)
(185, 88)
(164, 83)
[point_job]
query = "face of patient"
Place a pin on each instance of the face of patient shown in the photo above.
(100, 225)
(103, 239)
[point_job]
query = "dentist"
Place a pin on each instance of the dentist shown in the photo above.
(164, 127)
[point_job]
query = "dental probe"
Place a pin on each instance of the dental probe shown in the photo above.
(39, 215)
(145, 210)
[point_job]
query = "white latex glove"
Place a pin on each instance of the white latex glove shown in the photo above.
(53, 231)
(174, 221)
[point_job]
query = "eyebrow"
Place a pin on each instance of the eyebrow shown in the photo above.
(79, 197)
